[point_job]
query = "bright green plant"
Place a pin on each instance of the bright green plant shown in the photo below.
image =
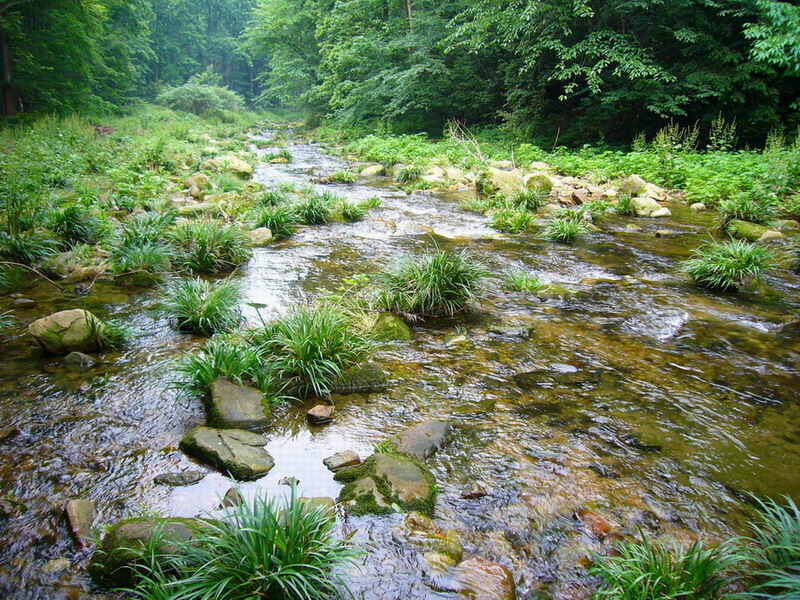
(625, 205)
(280, 220)
(274, 197)
(522, 281)
(204, 307)
(343, 176)
(226, 182)
(77, 224)
(531, 200)
(238, 361)
(511, 220)
(728, 265)
(282, 154)
(564, 229)
(353, 211)
(432, 283)
(260, 549)
(142, 257)
(210, 246)
(748, 206)
(315, 209)
(28, 247)
(146, 228)
(598, 209)
(652, 570)
(409, 174)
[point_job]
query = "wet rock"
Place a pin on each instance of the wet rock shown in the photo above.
(480, 579)
(24, 303)
(320, 414)
(81, 514)
(56, 565)
(603, 471)
(596, 524)
(441, 548)
(117, 550)
(506, 165)
(746, 230)
(342, 460)
(236, 451)
(661, 212)
(290, 481)
(79, 360)
(375, 170)
(260, 236)
(698, 206)
(325, 504)
(67, 331)
(362, 379)
(541, 182)
(558, 376)
(667, 233)
(386, 481)
(232, 498)
(632, 227)
(179, 479)
(644, 207)
(771, 236)
(10, 434)
(85, 273)
(632, 185)
(456, 340)
(234, 406)
(423, 440)
(229, 164)
(473, 490)
(389, 327)
(455, 174)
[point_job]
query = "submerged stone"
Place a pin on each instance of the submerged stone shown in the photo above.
(234, 406)
(480, 579)
(441, 548)
(179, 479)
(320, 414)
(236, 451)
(746, 230)
(390, 327)
(361, 379)
(423, 440)
(341, 460)
(80, 360)
(385, 483)
(81, 514)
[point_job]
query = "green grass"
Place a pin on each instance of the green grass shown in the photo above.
(144, 228)
(564, 229)
(204, 307)
(522, 281)
(511, 220)
(530, 200)
(728, 265)
(142, 257)
(653, 570)
(749, 206)
(282, 153)
(409, 174)
(28, 247)
(343, 176)
(7, 320)
(281, 220)
(260, 549)
(310, 348)
(274, 197)
(598, 209)
(226, 182)
(220, 357)
(625, 205)
(210, 246)
(353, 211)
(431, 283)
(315, 209)
(77, 224)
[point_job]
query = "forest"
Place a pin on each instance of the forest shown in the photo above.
(328, 299)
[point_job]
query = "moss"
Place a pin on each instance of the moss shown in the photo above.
(361, 379)
(746, 230)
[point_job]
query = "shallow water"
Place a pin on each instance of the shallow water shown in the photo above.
(648, 401)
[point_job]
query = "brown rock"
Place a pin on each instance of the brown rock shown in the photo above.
(81, 515)
(580, 196)
(340, 460)
(480, 579)
(596, 524)
(320, 414)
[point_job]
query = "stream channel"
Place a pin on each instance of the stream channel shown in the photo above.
(648, 401)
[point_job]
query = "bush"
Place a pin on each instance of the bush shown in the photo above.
(280, 220)
(649, 570)
(200, 306)
(564, 229)
(520, 281)
(728, 265)
(308, 350)
(511, 220)
(434, 283)
(210, 246)
(748, 207)
(202, 100)
(259, 549)
(146, 228)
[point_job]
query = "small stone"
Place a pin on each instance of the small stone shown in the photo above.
(580, 196)
(661, 212)
(56, 565)
(79, 360)
(234, 406)
(340, 460)
(667, 233)
(179, 479)
(698, 206)
(236, 451)
(375, 170)
(232, 498)
(290, 481)
(771, 236)
(24, 303)
(632, 227)
(260, 237)
(320, 414)
(473, 490)
(81, 515)
(595, 523)
(632, 185)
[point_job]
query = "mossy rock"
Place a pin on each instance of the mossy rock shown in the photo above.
(391, 328)
(386, 483)
(746, 230)
(361, 379)
(236, 451)
(75, 330)
(117, 551)
(234, 406)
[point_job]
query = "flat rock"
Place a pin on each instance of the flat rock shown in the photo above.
(480, 579)
(341, 460)
(236, 451)
(79, 360)
(661, 212)
(234, 406)
(423, 440)
(179, 479)
(67, 331)
(321, 414)
(81, 514)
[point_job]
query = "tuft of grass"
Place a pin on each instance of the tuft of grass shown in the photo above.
(142, 257)
(282, 153)
(342, 176)
(598, 209)
(433, 283)
(373, 202)
(625, 205)
(274, 197)
(309, 349)
(149, 227)
(511, 220)
(7, 319)
(728, 265)
(210, 246)
(109, 334)
(564, 229)
(650, 570)
(203, 307)
(77, 224)
(531, 200)
(773, 552)
(409, 174)
(280, 220)
(28, 247)
(262, 548)
(221, 357)
(748, 206)
(315, 209)
(353, 211)
(522, 281)
(226, 182)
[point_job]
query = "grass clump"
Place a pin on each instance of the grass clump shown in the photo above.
(433, 283)
(409, 174)
(354, 211)
(564, 229)
(210, 246)
(625, 205)
(142, 257)
(748, 206)
(28, 247)
(728, 265)
(315, 209)
(146, 228)
(204, 307)
(511, 220)
(342, 176)
(283, 154)
(77, 224)
(226, 182)
(650, 570)
(521, 281)
(281, 220)
(7, 320)
(240, 362)
(261, 549)
(531, 200)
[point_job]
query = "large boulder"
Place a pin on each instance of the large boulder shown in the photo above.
(541, 182)
(119, 548)
(376, 170)
(234, 406)
(74, 330)
(422, 440)
(387, 482)
(229, 164)
(493, 181)
(751, 231)
(633, 185)
(236, 451)
(644, 207)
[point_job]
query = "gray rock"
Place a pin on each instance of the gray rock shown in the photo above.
(67, 331)
(361, 379)
(179, 479)
(81, 514)
(320, 414)
(56, 565)
(234, 406)
(374, 170)
(423, 440)
(236, 451)
(260, 237)
(698, 206)
(24, 303)
(79, 360)
(632, 185)
(341, 460)
(644, 207)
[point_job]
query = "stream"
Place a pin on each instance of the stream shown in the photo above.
(647, 400)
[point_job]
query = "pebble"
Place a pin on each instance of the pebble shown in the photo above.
(320, 414)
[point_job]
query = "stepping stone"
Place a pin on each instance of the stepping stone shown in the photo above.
(179, 479)
(236, 451)
(423, 440)
(321, 414)
(341, 460)
(234, 406)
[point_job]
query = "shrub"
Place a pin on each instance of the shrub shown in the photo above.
(259, 549)
(748, 207)
(239, 362)
(314, 209)
(532, 200)
(432, 284)
(28, 247)
(653, 570)
(728, 265)
(773, 552)
(198, 99)
(210, 246)
(790, 208)
(521, 281)
(409, 174)
(200, 306)
(308, 350)
(77, 224)
(596, 208)
(511, 220)
(564, 229)
(281, 220)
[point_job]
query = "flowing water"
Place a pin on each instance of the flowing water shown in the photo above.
(647, 401)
